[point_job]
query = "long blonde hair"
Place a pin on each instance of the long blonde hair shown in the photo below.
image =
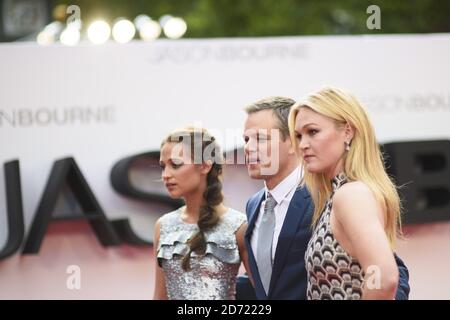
(363, 162)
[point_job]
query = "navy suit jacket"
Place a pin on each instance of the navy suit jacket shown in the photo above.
(288, 280)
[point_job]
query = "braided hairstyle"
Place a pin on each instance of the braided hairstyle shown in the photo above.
(203, 147)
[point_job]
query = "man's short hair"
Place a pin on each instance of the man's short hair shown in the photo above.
(280, 107)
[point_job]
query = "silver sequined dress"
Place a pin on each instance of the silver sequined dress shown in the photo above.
(212, 276)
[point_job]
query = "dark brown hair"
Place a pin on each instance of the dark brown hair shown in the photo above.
(203, 147)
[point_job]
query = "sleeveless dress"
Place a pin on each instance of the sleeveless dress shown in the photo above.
(212, 276)
(332, 273)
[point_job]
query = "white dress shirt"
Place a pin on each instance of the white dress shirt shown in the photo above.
(282, 193)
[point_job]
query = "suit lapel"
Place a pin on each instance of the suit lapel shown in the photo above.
(294, 217)
(252, 216)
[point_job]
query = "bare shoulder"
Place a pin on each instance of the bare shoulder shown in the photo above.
(240, 236)
(157, 230)
(354, 198)
(158, 224)
(242, 228)
(353, 191)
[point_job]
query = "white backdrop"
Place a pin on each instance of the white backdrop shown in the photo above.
(143, 90)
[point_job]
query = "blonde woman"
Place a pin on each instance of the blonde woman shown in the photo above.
(357, 208)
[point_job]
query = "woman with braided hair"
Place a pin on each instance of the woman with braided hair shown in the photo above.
(200, 246)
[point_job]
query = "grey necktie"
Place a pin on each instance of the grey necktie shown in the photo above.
(265, 237)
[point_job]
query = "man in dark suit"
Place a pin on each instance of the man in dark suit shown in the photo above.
(276, 247)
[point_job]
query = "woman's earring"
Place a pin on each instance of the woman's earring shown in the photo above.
(347, 146)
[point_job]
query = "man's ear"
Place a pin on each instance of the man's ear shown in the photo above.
(206, 167)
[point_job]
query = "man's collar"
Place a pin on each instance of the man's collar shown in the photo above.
(282, 189)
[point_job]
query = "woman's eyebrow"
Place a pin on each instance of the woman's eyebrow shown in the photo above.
(308, 124)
